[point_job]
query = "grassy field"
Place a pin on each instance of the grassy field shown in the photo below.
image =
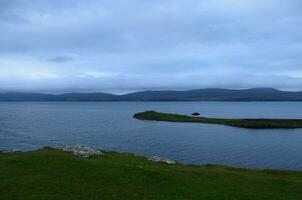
(53, 174)
(243, 123)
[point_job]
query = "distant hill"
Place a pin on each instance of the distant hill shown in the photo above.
(210, 94)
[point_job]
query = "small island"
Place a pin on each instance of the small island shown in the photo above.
(243, 123)
(195, 114)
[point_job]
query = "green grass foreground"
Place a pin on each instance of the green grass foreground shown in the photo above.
(243, 123)
(53, 174)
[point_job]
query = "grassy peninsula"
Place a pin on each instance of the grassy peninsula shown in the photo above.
(52, 174)
(243, 123)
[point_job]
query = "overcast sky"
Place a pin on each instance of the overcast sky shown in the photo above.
(120, 45)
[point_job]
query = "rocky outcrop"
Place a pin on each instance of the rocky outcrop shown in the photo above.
(81, 150)
(162, 160)
(10, 151)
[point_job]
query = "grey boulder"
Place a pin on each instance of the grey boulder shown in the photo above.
(81, 150)
(162, 160)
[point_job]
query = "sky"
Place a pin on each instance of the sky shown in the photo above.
(120, 46)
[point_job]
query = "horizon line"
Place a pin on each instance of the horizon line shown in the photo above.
(146, 90)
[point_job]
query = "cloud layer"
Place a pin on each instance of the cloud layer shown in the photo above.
(99, 45)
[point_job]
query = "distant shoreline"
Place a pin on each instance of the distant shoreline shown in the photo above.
(200, 95)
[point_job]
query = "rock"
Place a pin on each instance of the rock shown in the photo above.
(10, 151)
(195, 114)
(162, 160)
(81, 150)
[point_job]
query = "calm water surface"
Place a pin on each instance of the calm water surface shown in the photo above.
(110, 126)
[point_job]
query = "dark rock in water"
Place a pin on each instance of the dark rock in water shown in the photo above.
(81, 150)
(162, 160)
(195, 114)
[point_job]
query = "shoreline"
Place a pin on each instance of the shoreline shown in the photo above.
(90, 152)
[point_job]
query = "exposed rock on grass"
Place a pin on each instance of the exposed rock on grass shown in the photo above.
(10, 151)
(81, 150)
(162, 160)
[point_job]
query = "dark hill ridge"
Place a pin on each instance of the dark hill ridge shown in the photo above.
(210, 94)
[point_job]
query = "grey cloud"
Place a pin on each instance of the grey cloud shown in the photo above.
(122, 45)
(63, 58)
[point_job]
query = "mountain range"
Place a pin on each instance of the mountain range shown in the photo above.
(210, 94)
